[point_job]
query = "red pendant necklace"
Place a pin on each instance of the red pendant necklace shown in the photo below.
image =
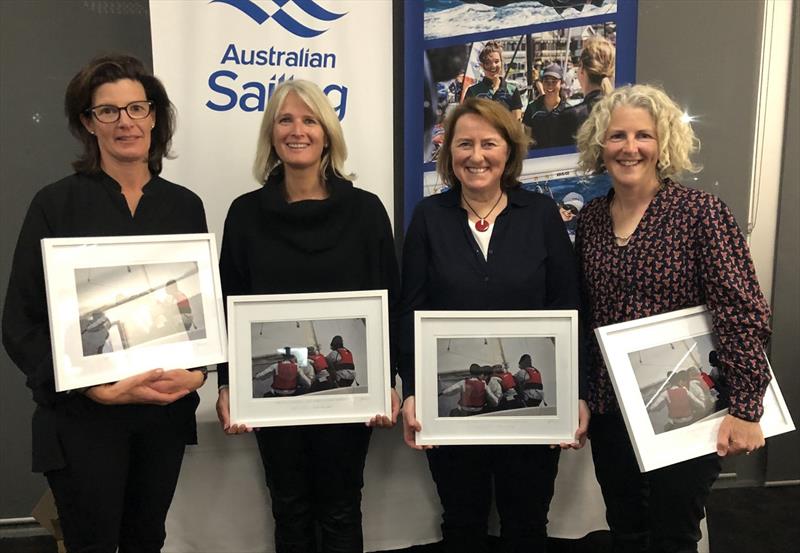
(482, 225)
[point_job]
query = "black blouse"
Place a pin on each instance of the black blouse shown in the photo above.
(530, 264)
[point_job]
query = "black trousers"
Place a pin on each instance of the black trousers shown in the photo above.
(523, 478)
(657, 511)
(120, 475)
(315, 475)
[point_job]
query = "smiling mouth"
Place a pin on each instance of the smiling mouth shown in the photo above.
(477, 170)
(629, 162)
(296, 146)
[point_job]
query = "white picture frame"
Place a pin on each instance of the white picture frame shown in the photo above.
(645, 359)
(448, 343)
(260, 326)
(122, 305)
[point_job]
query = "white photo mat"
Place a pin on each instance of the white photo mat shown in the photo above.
(554, 426)
(312, 408)
(655, 450)
(131, 273)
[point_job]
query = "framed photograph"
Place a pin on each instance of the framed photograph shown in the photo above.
(308, 358)
(122, 305)
(668, 383)
(496, 377)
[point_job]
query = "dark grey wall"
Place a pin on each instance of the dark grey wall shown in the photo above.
(706, 56)
(784, 451)
(42, 45)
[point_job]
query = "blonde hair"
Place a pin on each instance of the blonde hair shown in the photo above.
(498, 116)
(598, 60)
(334, 154)
(676, 139)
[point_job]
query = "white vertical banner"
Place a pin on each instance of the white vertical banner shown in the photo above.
(220, 61)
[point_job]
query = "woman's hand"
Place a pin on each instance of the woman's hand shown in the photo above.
(382, 421)
(737, 436)
(224, 414)
(135, 389)
(411, 425)
(583, 427)
(177, 380)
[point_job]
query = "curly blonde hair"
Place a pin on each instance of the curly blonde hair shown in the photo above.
(676, 139)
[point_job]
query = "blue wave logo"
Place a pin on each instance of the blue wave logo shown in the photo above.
(257, 14)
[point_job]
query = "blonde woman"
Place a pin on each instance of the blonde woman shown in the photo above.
(653, 246)
(307, 229)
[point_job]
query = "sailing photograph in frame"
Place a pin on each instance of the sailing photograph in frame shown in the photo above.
(319, 357)
(127, 306)
(680, 382)
(496, 376)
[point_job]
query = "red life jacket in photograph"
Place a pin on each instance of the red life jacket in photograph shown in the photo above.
(534, 378)
(345, 359)
(679, 407)
(319, 362)
(285, 376)
(507, 381)
(474, 394)
(708, 380)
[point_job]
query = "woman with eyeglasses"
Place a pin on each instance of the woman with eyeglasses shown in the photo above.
(111, 453)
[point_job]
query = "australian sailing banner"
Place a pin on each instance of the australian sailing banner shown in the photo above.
(222, 59)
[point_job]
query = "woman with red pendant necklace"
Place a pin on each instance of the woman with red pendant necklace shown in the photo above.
(486, 244)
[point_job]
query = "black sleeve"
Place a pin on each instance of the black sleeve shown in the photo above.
(414, 295)
(516, 100)
(232, 268)
(26, 327)
(563, 289)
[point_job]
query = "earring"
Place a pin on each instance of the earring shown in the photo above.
(91, 132)
(153, 126)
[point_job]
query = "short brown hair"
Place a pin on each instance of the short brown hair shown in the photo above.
(490, 48)
(109, 69)
(498, 116)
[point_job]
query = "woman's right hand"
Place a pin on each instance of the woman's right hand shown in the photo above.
(411, 425)
(224, 414)
(134, 389)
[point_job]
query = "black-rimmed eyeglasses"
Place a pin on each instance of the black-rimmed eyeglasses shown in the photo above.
(110, 114)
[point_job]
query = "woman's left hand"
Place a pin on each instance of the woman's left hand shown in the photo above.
(583, 427)
(382, 421)
(737, 436)
(177, 380)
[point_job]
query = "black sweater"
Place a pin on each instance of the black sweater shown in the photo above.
(342, 243)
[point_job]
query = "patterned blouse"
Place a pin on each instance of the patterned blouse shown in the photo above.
(686, 251)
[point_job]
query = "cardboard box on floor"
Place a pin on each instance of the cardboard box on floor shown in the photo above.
(46, 514)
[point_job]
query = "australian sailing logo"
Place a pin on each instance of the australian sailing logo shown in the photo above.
(310, 7)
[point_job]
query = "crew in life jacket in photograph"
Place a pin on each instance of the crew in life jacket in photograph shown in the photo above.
(322, 379)
(502, 389)
(680, 401)
(287, 379)
(340, 360)
(473, 400)
(529, 381)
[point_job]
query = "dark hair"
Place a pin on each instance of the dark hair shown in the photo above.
(337, 342)
(498, 116)
(490, 47)
(109, 69)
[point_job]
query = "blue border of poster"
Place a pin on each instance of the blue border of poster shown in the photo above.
(415, 45)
